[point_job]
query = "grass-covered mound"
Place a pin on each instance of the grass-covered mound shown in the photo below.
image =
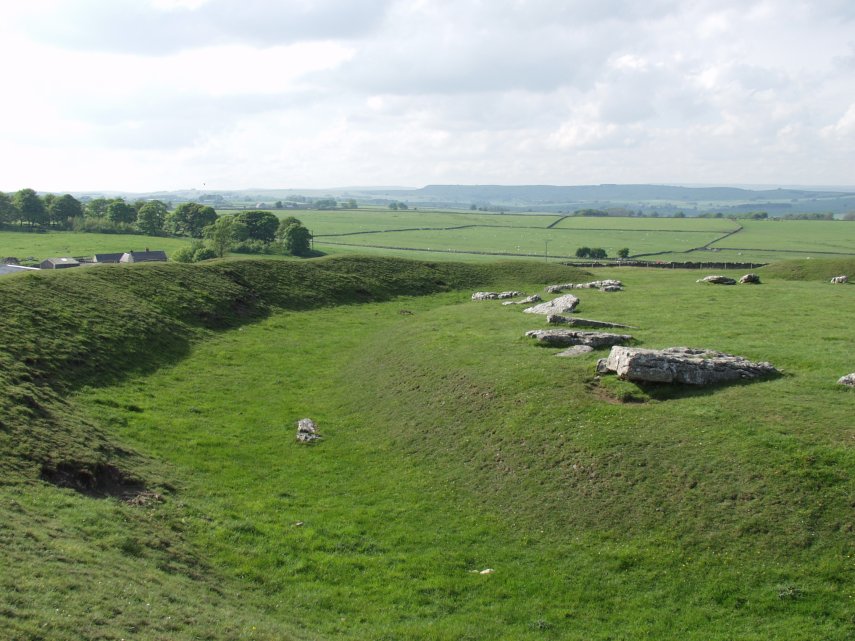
(99, 325)
(812, 269)
(451, 445)
(97, 562)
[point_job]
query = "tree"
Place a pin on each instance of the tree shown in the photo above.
(118, 211)
(259, 225)
(204, 253)
(296, 239)
(64, 209)
(393, 205)
(222, 233)
(326, 203)
(598, 253)
(189, 219)
(151, 217)
(96, 208)
(47, 202)
(285, 222)
(30, 206)
(583, 252)
(623, 253)
(184, 254)
(8, 211)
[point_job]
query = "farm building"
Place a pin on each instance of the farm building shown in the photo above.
(108, 258)
(63, 262)
(14, 269)
(143, 257)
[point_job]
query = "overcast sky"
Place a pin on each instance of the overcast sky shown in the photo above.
(143, 95)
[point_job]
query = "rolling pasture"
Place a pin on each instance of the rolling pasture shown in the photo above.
(66, 243)
(466, 235)
(480, 237)
(451, 445)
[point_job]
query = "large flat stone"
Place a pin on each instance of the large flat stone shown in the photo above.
(567, 337)
(561, 305)
(681, 365)
(557, 319)
(496, 295)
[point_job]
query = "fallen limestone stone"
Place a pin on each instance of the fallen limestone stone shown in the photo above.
(849, 380)
(750, 279)
(609, 284)
(528, 300)
(681, 365)
(556, 289)
(562, 337)
(840, 280)
(307, 430)
(718, 280)
(561, 305)
(575, 351)
(557, 319)
(496, 295)
(601, 284)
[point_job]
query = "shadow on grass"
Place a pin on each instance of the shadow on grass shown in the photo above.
(615, 390)
(677, 391)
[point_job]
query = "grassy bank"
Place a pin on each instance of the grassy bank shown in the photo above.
(76, 567)
(451, 445)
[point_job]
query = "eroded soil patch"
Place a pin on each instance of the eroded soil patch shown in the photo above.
(98, 480)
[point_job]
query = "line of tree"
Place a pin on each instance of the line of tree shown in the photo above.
(301, 202)
(252, 231)
(596, 253)
(26, 207)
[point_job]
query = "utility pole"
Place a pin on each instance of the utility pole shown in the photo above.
(546, 251)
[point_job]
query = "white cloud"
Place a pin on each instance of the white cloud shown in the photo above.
(172, 93)
(844, 127)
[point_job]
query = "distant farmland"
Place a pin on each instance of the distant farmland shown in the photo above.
(480, 236)
(66, 243)
(473, 234)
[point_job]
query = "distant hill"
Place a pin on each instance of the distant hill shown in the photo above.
(666, 199)
(552, 193)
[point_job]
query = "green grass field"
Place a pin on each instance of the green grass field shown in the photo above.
(65, 243)
(556, 242)
(480, 237)
(452, 444)
(465, 235)
(803, 236)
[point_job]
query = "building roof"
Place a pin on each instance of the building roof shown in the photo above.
(15, 269)
(142, 257)
(65, 261)
(109, 258)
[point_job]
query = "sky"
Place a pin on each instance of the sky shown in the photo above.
(146, 95)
